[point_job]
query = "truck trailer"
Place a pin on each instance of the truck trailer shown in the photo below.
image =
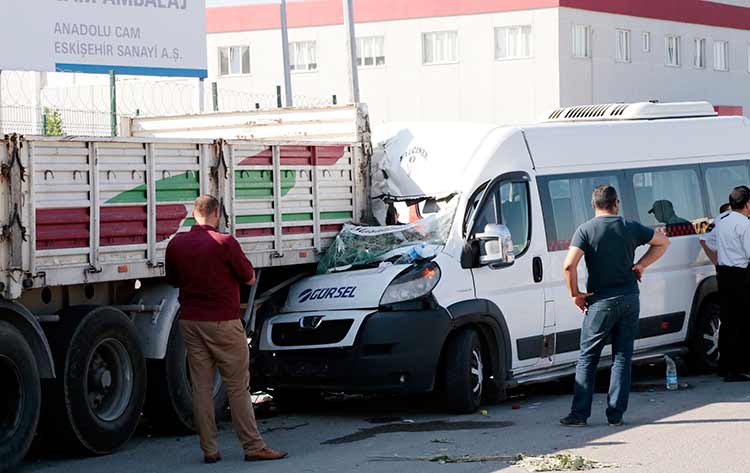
(88, 333)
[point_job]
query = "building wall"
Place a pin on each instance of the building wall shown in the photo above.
(476, 88)
(602, 79)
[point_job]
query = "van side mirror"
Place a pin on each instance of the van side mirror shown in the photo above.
(498, 246)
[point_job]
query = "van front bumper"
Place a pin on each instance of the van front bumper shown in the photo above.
(394, 351)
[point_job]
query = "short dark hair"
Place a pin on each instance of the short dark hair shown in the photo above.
(724, 207)
(604, 198)
(739, 197)
(205, 205)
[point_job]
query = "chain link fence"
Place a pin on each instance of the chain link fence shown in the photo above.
(85, 104)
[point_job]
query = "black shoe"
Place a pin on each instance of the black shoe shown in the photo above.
(211, 459)
(736, 378)
(571, 421)
(617, 423)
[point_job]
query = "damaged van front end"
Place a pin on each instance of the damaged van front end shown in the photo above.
(368, 321)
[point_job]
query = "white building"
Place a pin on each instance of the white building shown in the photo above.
(503, 61)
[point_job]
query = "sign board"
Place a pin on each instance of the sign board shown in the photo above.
(138, 37)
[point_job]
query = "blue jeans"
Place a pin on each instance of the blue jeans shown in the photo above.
(614, 319)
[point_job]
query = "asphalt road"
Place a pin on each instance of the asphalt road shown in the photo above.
(704, 428)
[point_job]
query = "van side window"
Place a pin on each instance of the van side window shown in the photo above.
(568, 205)
(720, 180)
(508, 204)
(669, 200)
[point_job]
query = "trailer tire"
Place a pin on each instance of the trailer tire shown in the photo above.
(169, 402)
(463, 377)
(96, 401)
(20, 396)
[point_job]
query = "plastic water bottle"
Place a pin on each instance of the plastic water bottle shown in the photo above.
(671, 374)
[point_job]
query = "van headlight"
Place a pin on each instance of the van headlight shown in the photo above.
(412, 284)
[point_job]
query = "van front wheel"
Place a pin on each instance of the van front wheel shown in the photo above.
(464, 372)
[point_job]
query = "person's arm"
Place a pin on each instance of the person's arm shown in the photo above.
(170, 271)
(570, 271)
(712, 255)
(241, 266)
(657, 247)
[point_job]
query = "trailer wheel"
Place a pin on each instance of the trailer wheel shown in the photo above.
(97, 398)
(20, 396)
(464, 372)
(169, 403)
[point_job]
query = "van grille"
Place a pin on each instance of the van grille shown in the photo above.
(291, 334)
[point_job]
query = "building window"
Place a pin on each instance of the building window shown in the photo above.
(646, 42)
(699, 58)
(581, 41)
(623, 46)
(234, 60)
(371, 51)
(721, 55)
(513, 42)
(440, 47)
(303, 56)
(672, 51)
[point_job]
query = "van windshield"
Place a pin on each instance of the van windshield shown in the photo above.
(370, 246)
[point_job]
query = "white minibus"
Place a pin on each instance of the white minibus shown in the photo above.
(463, 292)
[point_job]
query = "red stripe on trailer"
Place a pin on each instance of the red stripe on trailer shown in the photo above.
(62, 228)
(331, 228)
(254, 232)
(168, 220)
(125, 225)
(296, 230)
(262, 158)
(327, 155)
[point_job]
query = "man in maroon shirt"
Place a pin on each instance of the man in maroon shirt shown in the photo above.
(208, 268)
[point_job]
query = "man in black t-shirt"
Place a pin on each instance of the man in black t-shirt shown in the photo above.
(611, 303)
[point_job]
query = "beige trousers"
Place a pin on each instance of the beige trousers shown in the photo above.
(221, 345)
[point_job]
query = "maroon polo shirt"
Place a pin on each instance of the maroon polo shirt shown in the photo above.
(208, 268)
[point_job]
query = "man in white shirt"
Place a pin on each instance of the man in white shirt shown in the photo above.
(733, 247)
(708, 239)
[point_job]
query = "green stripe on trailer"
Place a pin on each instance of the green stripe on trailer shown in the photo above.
(345, 215)
(180, 188)
(254, 219)
(259, 184)
(296, 217)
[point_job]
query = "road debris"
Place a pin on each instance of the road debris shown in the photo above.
(563, 461)
(293, 427)
(441, 441)
(431, 426)
(445, 459)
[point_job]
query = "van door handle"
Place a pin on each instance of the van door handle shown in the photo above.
(538, 269)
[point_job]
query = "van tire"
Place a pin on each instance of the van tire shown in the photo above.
(20, 396)
(704, 343)
(169, 402)
(463, 375)
(94, 343)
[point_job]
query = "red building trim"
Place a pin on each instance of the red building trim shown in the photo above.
(329, 12)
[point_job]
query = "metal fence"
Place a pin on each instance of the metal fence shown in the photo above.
(82, 104)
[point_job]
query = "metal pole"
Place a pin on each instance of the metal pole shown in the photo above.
(1, 102)
(201, 95)
(215, 95)
(351, 46)
(113, 102)
(285, 50)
